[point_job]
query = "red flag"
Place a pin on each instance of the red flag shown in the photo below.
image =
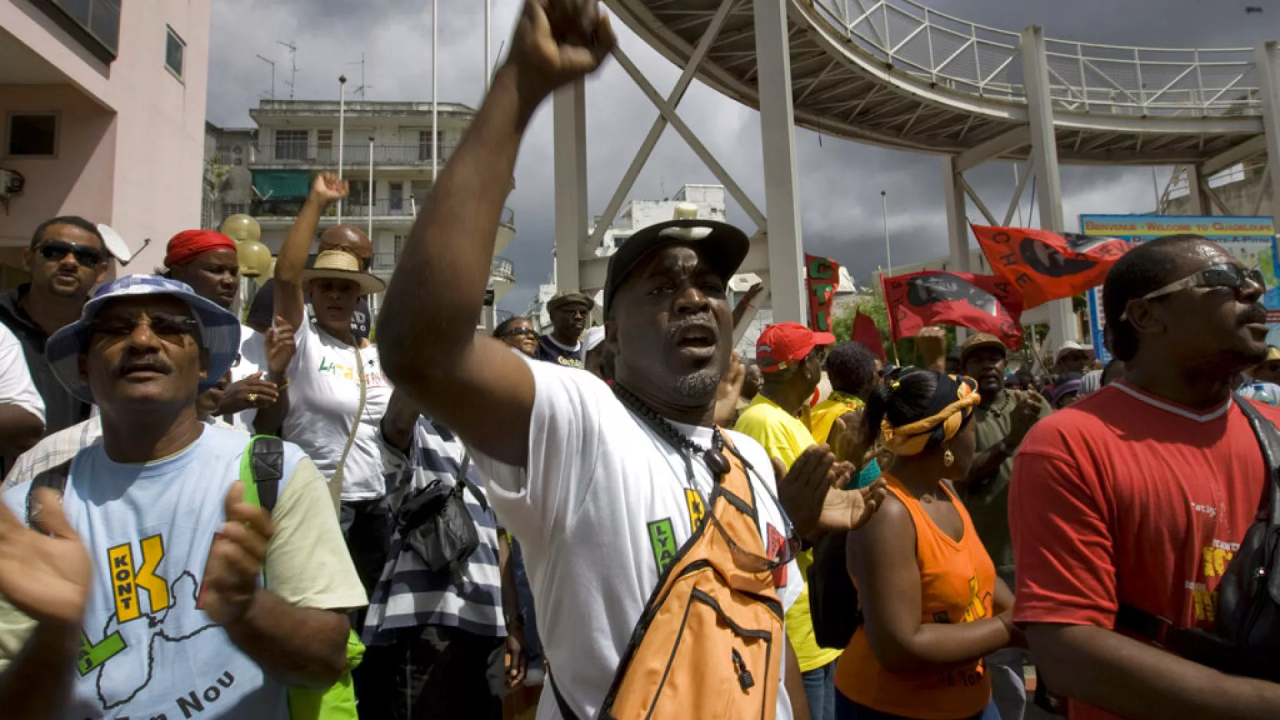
(822, 277)
(1045, 265)
(985, 303)
(866, 333)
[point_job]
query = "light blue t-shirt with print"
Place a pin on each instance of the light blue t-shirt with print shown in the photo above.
(148, 650)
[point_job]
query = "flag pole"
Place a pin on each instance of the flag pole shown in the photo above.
(893, 335)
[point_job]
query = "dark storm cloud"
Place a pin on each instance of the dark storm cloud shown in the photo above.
(840, 181)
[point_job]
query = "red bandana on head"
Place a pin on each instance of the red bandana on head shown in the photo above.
(189, 244)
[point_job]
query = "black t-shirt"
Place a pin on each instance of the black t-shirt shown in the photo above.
(61, 408)
(551, 351)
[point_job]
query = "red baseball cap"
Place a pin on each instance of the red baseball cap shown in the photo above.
(783, 344)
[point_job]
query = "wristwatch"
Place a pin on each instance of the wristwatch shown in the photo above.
(1004, 447)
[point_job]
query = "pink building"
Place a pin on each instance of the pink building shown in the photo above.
(103, 111)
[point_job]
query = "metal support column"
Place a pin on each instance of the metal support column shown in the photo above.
(1268, 73)
(1197, 203)
(777, 131)
(957, 218)
(957, 223)
(569, 109)
(1044, 159)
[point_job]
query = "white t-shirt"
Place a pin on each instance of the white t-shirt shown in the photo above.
(602, 499)
(324, 394)
(253, 359)
(16, 386)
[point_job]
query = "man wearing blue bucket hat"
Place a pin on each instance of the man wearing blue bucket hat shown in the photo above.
(152, 576)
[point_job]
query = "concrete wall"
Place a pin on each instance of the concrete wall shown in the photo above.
(79, 181)
(149, 126)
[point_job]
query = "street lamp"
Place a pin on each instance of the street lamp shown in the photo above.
(342, 131)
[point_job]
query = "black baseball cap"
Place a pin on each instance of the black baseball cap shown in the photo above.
(722, 246)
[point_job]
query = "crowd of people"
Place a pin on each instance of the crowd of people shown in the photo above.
(260, 512)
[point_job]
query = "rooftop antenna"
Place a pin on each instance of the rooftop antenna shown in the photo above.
(273, 75)
(293, 62)
(360, 90)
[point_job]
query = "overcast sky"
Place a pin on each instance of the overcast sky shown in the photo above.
(840, 181)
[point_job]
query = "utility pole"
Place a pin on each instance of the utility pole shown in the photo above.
(488, 44)
(435, 116)
(370, 233)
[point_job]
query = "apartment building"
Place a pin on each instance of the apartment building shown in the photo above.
(103, 104)
(386, 151)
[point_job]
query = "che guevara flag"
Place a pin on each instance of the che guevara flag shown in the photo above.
(1045, 265)
(985, 303)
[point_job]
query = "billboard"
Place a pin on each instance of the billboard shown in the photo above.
(1252, 240)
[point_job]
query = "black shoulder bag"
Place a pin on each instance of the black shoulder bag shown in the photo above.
(435, 523)
(1246, 640)
(833, 598)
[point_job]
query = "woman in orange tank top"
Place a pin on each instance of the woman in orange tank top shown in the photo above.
(932, 603)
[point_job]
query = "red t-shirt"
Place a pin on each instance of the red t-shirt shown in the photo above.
(1126, 498)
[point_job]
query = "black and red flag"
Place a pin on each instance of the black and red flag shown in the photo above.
(1046, 265)
(985, 303)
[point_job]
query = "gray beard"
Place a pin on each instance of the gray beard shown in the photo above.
(699, 385)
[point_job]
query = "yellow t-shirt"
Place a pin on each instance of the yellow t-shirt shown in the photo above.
(823, 416)
(785, 437)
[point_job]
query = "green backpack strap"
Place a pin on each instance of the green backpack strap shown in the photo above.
(261, 471)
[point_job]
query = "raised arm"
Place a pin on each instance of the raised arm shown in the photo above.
(290, 303)
(882, 558)
(428, 343)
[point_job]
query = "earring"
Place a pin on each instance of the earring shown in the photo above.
(948, 459)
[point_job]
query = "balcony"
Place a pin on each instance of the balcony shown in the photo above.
(502, 277)
(502, 270)
(506, 230)
(394, 212)
(287, 154)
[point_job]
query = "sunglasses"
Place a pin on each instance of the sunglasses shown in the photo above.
(170, 328)
(1226, 275)
(58, 249)
(520, 331)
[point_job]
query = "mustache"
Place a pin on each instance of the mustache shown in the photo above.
(702, 321)
(1255, 314)
(144, 363)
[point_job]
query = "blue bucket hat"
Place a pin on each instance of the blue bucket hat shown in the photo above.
(219, 330)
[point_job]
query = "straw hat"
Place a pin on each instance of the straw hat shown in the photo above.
(342, 265)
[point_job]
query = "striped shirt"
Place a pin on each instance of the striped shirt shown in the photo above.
(410, 595)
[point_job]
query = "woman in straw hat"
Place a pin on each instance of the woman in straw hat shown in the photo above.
(337, 390)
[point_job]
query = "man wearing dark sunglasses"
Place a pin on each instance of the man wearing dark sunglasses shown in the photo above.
(66, 259)
(157, 571)
(1128, 507)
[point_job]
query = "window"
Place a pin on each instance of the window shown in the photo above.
(33, 135)
(395, 192)
(95, 24)
(174, 52)
(359, 194)
(291, 144)
(324, 139)
(399, 246)
(424, 145)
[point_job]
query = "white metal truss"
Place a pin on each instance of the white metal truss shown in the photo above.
(899, 74)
